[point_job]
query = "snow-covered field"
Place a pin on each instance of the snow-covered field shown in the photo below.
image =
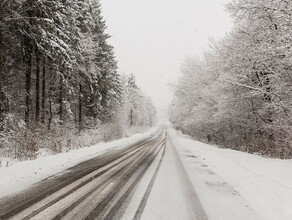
(237, 185)
(21, 175)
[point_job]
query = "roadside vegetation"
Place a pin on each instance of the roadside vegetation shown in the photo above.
(239, 94)
(59, 82)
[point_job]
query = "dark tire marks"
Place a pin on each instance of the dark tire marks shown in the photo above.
(10, 206)
(143, 202)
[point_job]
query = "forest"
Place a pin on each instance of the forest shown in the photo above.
(59, 82)
(238, 95)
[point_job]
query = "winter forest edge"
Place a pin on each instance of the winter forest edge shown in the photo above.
(59, 85)
(239, 94)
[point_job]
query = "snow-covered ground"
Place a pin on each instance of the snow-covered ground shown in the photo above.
(236, 185)
(169, 197)
(230, 185)
(21, 175)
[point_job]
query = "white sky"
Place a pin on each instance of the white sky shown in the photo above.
(152, 37)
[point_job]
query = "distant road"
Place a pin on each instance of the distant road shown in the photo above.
(119, 184)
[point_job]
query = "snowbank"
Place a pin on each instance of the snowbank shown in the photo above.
(266, 184)
(21, 175)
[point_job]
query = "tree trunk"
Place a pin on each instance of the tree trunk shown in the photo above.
(44, 91)
(61, 110)
(1, 80)
(80, 108)
(28, 50)
(28, 61)
(37, 87)
(50, 99)
(131, 117)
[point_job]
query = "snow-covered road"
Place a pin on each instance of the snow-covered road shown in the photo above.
(21, 175)
(93, 189)
(171, 196)
(159, 175)
(187, 188)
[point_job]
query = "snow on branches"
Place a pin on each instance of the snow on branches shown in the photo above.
(239, 95)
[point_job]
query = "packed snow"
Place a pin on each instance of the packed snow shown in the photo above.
(237, 185)
(21, 175)
(169, 196)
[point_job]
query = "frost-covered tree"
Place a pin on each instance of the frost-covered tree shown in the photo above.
(58, 73)
(239, 96)
(138, 110)
(6, 8)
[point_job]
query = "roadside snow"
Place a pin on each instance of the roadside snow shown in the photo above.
(233, 180)
(21, 175)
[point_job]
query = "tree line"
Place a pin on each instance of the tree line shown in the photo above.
(57, 70)
(239, 94)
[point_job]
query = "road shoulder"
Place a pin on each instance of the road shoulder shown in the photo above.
(219, 199)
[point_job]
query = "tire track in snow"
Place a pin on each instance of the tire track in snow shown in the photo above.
(142, 205)
(197, 207)
(83, 169)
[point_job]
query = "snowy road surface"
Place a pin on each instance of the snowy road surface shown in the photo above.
(150, 179)
(172, 196)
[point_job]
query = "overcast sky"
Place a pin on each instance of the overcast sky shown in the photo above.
(152, 37)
